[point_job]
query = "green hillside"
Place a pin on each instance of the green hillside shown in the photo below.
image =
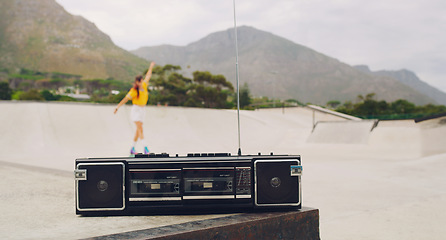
(41, 35)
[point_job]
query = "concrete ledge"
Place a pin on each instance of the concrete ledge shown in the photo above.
(299, 224)
(342, 132)
(334, 113)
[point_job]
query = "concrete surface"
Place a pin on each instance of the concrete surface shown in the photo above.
(391, 186)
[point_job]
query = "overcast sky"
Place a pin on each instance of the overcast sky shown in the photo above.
(383, 34)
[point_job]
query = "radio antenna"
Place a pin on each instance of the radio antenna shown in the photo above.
(237, 80)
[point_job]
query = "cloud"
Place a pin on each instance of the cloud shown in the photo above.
(136, 23)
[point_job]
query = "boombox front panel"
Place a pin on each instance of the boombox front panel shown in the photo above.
(152, 184)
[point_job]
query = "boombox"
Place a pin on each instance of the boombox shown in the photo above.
(159, 182)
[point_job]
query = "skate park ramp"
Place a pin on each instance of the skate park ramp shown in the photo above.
(433, 132)
(389, 184)
(36, 133)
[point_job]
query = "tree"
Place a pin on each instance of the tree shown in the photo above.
(368, 97)
(333, 104)
(211, 90)
(168, 86)
(32, 94)
(218, 81)
(402, 106)
(48, 96)
(399, 109)
(5, 91)
(245, 96)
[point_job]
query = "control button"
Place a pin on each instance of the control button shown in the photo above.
(222, 154)
(208, 154)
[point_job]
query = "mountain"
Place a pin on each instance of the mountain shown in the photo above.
(41, 35)
(410, 79)
(276, 67)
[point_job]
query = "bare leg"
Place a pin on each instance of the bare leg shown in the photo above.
(139, 131)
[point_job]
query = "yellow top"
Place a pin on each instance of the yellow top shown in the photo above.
(143, 95)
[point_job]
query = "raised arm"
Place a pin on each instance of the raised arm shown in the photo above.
(149, 73)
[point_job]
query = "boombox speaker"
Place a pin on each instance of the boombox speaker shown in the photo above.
(103, 188)
(277, 183)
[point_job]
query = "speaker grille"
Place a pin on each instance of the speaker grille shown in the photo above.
(274, 183)
(104, 188)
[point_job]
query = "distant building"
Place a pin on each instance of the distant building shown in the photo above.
(78, 96)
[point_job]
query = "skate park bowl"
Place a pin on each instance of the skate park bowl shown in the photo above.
(362, 179)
